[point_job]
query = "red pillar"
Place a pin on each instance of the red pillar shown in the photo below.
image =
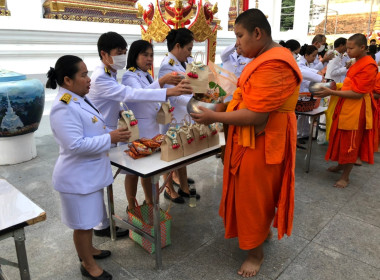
(245, 5)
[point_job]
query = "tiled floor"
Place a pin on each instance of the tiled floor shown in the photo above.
(336, 231)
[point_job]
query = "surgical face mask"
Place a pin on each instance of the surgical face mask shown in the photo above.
(119, 61)
(295, 56)
(321, 48)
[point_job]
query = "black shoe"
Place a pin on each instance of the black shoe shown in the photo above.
(300, 141)
(120, 232)
(189, 181)
(301, 147)
(104, 276)
(184, 194)
(103, 254)
(179, 199)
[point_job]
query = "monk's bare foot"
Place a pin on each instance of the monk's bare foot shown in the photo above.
(341, 184)
(270, 235)
(252, 263)
(335, 168)
(358, 162)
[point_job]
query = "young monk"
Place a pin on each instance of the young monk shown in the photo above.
(352, 132)
(376, 95)
(260, 151)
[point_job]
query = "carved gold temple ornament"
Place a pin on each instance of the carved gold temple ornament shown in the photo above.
(3, 8)
(109, 11)
(375, 33)
(179, 14)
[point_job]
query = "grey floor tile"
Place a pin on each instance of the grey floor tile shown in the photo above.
(365, 207)
(278, 253)
(353, 238)
(319, 263)
(310, 219)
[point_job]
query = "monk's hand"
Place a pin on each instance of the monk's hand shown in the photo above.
(323, 92)
(206, 117)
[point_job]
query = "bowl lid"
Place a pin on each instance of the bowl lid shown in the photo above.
(8, 76)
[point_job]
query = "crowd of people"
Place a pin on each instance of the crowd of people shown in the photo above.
(259, 160)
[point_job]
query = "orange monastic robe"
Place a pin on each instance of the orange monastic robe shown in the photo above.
(377, 119)
(352, 132)
(259, 168)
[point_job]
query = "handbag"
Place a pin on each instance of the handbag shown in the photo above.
(164, 115)
(142, 217)
(197, 74)
(212, 135)
(171, 147)
(200, 136)
(187, 137)
(128, 120)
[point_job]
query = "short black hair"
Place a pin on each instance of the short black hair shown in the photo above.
(340, 41)
(318, 38)
(109, 41)
(372, 49)
(252, 18)
(137, 47)
(372, 40)
(66, 66)
(182, 36)
(359, 39)
(291, 44)
(307, 49)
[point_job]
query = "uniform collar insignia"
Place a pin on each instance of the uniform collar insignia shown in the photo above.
(66, 98)
(171, 61)
(108, 72)
(94, 119)
(132, 69)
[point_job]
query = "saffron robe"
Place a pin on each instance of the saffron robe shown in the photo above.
(352, 133)
(258, 172)
(377, 103)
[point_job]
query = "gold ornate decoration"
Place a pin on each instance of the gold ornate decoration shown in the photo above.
(232, 15)
(201, 26)
(3, 8)
(109, 11)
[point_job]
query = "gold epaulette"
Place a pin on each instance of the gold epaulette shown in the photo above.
(108, 72)
(171, 61)
(132, 69)
(149, 71)
(65, 98)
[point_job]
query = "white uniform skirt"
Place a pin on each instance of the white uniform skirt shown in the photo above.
(82, 211)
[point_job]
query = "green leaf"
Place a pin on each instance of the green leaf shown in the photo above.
(221, 91)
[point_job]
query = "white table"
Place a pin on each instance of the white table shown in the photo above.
(151, 166)
(314, 115)
(16, 212)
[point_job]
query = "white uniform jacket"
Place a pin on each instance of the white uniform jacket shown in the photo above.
(308, 74)
(83, 165)
(106, 93)
(145, 112)
(317, 64)
(232, 61)
(169, 64)
(336, 68)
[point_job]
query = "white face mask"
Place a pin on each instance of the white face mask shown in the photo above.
(295, 56)
(119, 61)
(321, 48)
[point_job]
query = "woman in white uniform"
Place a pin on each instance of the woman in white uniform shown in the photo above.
(308, 54)
(140, 60)
(180, 44)
(83, 168)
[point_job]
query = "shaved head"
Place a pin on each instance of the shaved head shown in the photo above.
(359, 39)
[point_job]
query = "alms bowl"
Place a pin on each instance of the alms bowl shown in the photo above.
(315, 87)
(193, 104)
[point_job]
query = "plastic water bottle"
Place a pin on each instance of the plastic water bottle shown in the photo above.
(193, 197)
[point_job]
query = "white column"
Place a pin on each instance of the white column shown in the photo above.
(301, 19)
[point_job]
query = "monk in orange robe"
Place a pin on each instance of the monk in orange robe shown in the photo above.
(376, 95)
(353, 131)
(259, 161)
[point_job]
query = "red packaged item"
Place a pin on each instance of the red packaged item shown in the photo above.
(158, 138)
(141, 148)
(149, 143)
